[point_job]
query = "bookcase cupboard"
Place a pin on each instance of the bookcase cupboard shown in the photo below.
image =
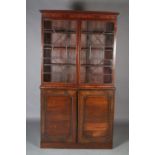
(77, 78)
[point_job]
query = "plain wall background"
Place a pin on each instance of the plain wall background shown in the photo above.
(33, 47)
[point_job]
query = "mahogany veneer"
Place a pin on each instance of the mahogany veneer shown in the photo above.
(77, 79)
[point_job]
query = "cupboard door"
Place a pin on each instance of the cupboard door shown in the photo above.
(59, 51)
(95, 116)
(96, 52)
(58, 116)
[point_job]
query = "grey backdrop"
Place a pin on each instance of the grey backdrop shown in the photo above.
(33, 56)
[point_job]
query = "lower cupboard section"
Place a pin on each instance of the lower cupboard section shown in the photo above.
(77, 119)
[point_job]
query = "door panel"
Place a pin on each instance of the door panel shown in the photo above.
(59, 51)
(96, 52)
(58, 116)
(95, 116)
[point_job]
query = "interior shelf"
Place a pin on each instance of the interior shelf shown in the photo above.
(107, 48)
(59, 64)
(58, 31)
(95, 65)
(98, 32)
(84, 32)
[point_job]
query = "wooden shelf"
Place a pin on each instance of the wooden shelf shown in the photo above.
(91, 65)
(66, 64)
(98, 32)
(96, 65)
(59, 31)
(106, 48)
(98, 48)
(102, 75)
(57, 47)
(71, 31)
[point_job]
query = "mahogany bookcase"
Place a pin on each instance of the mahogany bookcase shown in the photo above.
(77, 78)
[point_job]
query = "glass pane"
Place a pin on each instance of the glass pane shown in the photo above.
(92, 74)
(59, 51)
(96, 53)
(63, 73)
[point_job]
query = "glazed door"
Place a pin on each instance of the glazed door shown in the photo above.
(96, 52)
(58, 122)
(59, 51)
(95, 116)
(71, 48)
